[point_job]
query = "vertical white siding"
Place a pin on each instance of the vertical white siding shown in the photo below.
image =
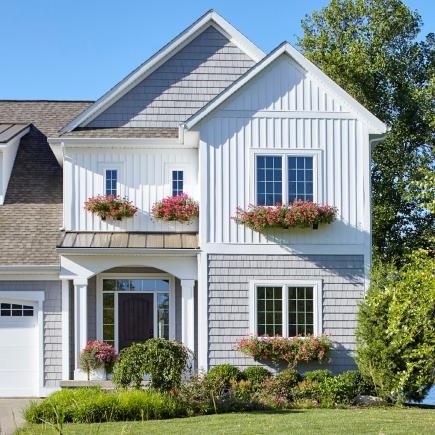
(144, 176)
(284, 109)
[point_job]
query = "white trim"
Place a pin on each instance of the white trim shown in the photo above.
(317, 156)
(188, 313)
(37, 296)
(80, 321)
(285, 284)
(376, 125)
(99, 298)
(65, 330)
(29, 273)
(202, 304)
(144, 70)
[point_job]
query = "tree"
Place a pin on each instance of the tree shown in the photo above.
(370, 48)
(396, 329)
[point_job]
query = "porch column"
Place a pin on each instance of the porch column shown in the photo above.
(188, 313)
(80, 320)
(65, 330)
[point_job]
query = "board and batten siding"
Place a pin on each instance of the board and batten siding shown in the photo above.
(285, 110)
(144, 176)
(228, 300)
(181, 86)
(52, 317)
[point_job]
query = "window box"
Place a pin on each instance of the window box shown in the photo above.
(109, 206)
(300, 214)
(178, 208)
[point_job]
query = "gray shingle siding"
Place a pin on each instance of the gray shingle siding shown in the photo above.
(181, 86)
(52, 327)
(228, 301)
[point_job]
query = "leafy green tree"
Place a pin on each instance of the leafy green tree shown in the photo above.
(396, 329)
(371, 49)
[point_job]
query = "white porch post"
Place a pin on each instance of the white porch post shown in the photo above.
(65, 330)
(188, 313)
(80, 320)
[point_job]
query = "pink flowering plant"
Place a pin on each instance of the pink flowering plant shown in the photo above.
(179, 208)
(110, 206)
(298, 214)
(97, 354)
(291, 350)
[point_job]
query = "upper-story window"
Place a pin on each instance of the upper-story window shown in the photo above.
(177, 182)
(283, 177)
(300, 178)
(111, 182)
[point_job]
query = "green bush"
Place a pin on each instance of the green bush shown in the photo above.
(308, 389)
(281, 386)
(91, 405)
(165, 361)
(342, 389)
(396, 329)
(318, 375)
(256, 375)
(224, 373)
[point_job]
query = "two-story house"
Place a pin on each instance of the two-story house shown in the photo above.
(212, 116)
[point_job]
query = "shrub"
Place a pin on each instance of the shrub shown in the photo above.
(164, 360)
(318, 375)
(109, 206)
(256, 375)
(396, 324)
(224, 373)
(91, 405)
(342, 389)
(280, 388)
(308, 389)
(291, 350)
(178, 208)
(299, 214)
(130, 368)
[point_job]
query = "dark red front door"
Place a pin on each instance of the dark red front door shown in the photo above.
(135, 318)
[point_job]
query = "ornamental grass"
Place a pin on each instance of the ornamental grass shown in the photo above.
(298, 214)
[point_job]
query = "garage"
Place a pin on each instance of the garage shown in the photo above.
(19, 347)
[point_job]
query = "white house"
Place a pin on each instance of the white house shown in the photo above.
(212, 116)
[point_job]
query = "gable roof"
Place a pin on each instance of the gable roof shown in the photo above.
(210, 18)
(377, 126)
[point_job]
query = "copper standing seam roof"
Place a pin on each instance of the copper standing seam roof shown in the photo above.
(124, 132)
(150, 240)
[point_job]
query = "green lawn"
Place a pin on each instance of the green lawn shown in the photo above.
(315, 421)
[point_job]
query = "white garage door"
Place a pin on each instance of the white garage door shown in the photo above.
(18, 349)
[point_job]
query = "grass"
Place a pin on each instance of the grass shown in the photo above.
(311, 421)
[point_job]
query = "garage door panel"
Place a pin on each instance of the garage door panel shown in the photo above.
(18, 355)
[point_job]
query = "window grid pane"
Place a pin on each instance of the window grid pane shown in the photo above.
(111, 180)
(269, 180)
(163, 315)
(109, 318)
(300, 311)
(300, 179)
(177, 182)
(146, 285)
(16, 310)
(269, 311)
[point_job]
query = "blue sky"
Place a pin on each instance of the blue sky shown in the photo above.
(78, 49)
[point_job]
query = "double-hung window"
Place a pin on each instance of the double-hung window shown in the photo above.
(283, 179)
(177, 182)
(286, 309)
(111, 180)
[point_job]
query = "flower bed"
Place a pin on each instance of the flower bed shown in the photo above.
(291, 350)
(109, 206)
(179, 208)
(299, 214)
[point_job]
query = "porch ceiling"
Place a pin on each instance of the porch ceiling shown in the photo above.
(129, 240)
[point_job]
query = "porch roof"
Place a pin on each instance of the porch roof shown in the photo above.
(116, 240)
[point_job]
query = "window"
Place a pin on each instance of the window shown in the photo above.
(300, 178)
(111, 181)
(284, 178)
(269, 180)
(177, 182)
(286, 309)
(15, 310)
